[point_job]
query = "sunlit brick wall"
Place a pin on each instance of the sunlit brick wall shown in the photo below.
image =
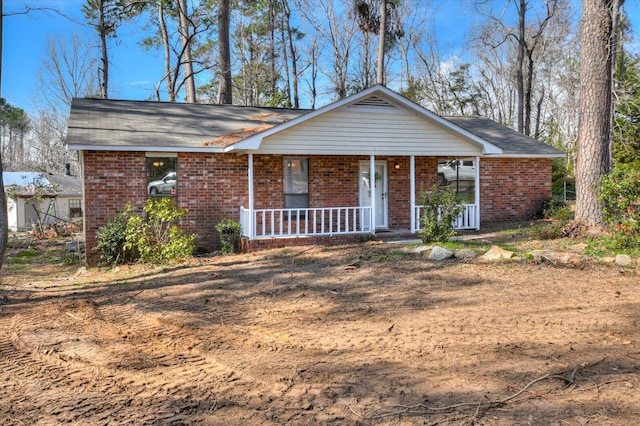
(513, 188)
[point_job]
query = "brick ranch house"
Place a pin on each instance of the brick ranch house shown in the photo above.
(301, 176)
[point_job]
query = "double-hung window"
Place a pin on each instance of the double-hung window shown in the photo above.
(296, 183)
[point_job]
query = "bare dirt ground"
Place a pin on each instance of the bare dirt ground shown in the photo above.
(361, 334)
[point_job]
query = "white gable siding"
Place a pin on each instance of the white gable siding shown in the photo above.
(359, 130)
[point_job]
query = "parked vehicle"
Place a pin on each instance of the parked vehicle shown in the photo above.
(166, 185)
(455, 170)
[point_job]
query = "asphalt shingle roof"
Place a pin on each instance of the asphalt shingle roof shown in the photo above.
(130, 124)
(512, 142)
(148, 125)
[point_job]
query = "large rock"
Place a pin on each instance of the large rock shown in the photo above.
(415, 250)
(438, 253)
(554, 257)
(465, 254)
(496, 253)
(624, 260)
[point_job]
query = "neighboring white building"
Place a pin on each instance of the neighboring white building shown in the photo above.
(62, 200)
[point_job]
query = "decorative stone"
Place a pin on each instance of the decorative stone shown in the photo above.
(578, 248)
(465, 254)
(496, 253)
(415, 250)
(554, 257)
(624, 260)
(438, 253)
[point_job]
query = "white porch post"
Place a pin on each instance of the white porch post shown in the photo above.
(252, 232)
(477, 197)
(372, 188)
(412, 190)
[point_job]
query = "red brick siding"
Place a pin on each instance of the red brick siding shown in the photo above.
(111, 180)
(214, 186)
(513, 188)
(211, 187)
(333, 181)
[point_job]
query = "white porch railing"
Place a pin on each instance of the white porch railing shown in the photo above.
(273, 223)
(466, 220)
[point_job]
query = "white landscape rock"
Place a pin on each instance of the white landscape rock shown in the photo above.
(438, 253)
(623, 260)
(415, 250)
(554, 257)
(465, 254)
(496, 253)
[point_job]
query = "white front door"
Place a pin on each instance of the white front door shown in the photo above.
(380, 192)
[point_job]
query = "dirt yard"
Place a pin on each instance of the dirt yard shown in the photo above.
(361, 335)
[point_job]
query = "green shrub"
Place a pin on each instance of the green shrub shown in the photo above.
(620, 192)
(112, 238)
(158, 239)
(229, 230)
(556, 209)
(440, 209)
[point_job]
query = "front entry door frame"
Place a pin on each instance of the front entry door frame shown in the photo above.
(380, 203)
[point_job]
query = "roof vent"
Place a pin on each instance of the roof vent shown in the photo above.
(373, 102)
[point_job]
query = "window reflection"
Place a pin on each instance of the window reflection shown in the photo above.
(162, 180)
(458, 176)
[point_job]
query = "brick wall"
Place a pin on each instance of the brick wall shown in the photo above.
(214, 186)
(211, 187)
(513, 188)
(111, 180)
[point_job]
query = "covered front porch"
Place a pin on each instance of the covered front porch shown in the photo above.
(369, 212)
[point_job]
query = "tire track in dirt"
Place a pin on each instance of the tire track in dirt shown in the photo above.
(49, 376)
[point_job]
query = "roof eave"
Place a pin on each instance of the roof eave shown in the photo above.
(558, 155)
(145, 148)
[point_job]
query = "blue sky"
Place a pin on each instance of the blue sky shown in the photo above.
(134, 72)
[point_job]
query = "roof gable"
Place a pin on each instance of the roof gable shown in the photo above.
(376, 99)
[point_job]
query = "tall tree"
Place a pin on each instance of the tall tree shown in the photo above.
(4, 219)
(14, 126)
(598, 50)
(381, 42)
(380, 17)
(177, 31)
(186, 39)
(105, 16)
(525, 37)
(225, 90)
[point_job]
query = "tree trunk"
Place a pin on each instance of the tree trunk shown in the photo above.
(381, 35)
(171, 87)
(102, 30)
(293, 54)
(593, 156)
(520, 64)
(225, 93)
(4, 220)
(187, 61)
